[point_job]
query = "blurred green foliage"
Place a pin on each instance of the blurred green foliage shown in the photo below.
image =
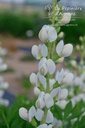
(18, 24)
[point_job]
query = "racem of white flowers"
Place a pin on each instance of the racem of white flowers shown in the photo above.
(47, 66)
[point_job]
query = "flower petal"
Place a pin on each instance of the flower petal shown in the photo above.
(49, 118)
(68, 78)
(66, 18)
(48, 100)
(43, 35)
(59, 47)
(35, 51)
(44, 50)
(61, 103)
(63, 93)
(54, 92)
(67, 50)
(39, 114)
(51, 66)
(40, 103)
(59, 76)
(33, 79)
(23, 113)
(42, 80)
(42, 126)
(32, 112)
(52, 34)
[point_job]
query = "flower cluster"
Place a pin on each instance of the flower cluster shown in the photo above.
(3, 85)
(47, 81)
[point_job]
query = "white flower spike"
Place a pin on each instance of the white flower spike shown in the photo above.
(47, 33)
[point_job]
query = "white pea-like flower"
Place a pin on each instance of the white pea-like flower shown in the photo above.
(66, 18)
(61, 103)
(39, 51)
(62, 94)
(64, 50)
(35, 79)
(44, 100)
(64, 78)
(47, 33)
(46, 66)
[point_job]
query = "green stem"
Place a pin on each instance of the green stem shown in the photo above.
(53, 13)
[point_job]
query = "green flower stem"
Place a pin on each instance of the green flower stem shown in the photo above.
(54, 2)
(45, 115)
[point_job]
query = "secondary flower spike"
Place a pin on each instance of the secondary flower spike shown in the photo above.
(47, 33)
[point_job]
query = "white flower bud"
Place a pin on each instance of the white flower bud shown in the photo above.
(40, 103)
(67, 50)
(47, 33)
(60, 60)
(66, 18)
(74, 63)
(23, 113)
(68, 78)
(36, 91)
(61, 35)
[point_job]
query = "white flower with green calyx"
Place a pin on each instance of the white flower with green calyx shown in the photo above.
(44, 100)
(64, 50)
(60, 93)
(45, 126)
(36, 79)
(39, 51)
(46, 66)
(66, 18)
(47, 33)
(64, 78)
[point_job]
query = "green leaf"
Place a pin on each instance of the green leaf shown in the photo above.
(57, 112)
(82, 122)
(77, 110)
(67, 109)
